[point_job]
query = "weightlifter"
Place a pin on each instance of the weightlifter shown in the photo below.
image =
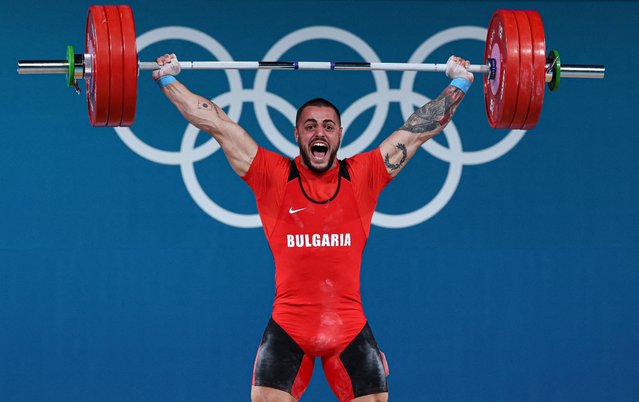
(316, 212)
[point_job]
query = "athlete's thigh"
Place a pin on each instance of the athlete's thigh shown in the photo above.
(359, 370)
(280, 363)
(266, 394)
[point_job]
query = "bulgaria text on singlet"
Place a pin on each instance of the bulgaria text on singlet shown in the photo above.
(317, 226)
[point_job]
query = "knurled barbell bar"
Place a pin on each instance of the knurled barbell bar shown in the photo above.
(515, 67)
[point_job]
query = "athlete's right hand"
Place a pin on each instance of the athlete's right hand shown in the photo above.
(169, 65)
(456, 67)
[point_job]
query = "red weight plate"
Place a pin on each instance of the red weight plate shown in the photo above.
(525, 70)
(539, 69)
(130, 65)
(116, 84)
(97, 84)
(500, 93)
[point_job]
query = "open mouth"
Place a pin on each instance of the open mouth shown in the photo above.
(319, 150)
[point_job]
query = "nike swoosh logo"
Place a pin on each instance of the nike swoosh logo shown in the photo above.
(294, 211)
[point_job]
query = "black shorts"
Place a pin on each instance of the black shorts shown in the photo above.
(357, 370)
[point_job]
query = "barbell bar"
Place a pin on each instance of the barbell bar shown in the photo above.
(62, 67)
(515, 67)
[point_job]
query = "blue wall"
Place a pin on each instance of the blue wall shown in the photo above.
(522, 284)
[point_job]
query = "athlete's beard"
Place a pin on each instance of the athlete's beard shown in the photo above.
(307, 161)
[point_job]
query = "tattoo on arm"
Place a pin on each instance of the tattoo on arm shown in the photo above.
(395, 166)
(436, 113)
(217, 110)
(208, 106)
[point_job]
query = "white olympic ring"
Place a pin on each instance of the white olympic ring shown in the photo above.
(263, 99)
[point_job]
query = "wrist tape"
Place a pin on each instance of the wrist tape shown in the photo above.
(461, 83)
(165, 80)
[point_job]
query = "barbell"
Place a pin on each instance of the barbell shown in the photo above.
(516, 68)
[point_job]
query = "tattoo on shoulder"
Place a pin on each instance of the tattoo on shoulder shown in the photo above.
(395, 166)
(434, 114)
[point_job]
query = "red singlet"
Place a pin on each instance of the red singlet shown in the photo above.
(317, 226)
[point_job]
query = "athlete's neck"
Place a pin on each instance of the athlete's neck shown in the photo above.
(318, 186)
(315, 172)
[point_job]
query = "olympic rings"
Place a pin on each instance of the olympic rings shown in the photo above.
(262, 99)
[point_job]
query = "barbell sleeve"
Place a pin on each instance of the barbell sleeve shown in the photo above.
(582, 71)
(43, 66)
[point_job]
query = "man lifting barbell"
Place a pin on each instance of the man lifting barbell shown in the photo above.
(316, 212)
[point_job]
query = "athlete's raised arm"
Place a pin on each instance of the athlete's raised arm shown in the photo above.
(237, 144)
(427, 121)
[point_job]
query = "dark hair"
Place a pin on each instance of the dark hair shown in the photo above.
(318, 102)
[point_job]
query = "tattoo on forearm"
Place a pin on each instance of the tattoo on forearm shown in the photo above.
(395, 166)
(436, 113)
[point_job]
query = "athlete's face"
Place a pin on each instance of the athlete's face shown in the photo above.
(318, 134)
